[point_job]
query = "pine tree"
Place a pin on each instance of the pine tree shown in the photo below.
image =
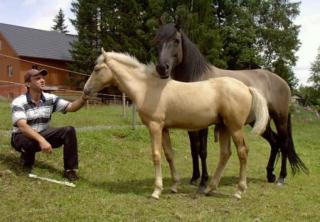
(87, 47)
(242, 34)
(59, 21)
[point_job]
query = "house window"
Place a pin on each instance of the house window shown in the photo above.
(10, 70)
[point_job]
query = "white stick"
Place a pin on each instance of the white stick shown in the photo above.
(52, 180)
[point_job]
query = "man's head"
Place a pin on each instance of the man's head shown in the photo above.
(34, 78)
(34, 72)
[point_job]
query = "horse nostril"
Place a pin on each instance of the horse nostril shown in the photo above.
(167, 67)
(86, 91)
(160, 69)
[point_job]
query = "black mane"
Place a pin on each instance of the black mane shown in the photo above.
(193, 64)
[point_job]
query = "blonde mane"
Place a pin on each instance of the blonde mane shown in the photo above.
(125, 59)
(129, 60)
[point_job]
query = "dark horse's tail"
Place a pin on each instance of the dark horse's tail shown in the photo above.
(295, 162)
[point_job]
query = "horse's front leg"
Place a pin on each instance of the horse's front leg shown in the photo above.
(155, 130)
(166, 144)
(203, 136)
(225, 153)
(242, 152)
(195, 146)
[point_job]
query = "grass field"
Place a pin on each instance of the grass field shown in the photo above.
(117, 177)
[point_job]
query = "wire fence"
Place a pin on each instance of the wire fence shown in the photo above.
(7, 87)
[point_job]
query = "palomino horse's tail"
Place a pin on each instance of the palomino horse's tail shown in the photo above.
(295, 162)
(260, 109)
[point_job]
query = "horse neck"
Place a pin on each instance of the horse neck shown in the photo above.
(129, 81)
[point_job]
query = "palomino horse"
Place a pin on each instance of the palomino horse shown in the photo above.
(180, 58)
(162, 104)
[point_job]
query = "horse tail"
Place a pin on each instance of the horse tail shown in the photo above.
(295, 162)
(260, 109)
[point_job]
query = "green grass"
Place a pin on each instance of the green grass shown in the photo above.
(117, 177)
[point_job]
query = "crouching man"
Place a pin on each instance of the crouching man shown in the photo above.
(31, 114)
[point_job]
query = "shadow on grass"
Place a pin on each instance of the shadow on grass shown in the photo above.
(145, 186)
(13, 163)
(142, 187)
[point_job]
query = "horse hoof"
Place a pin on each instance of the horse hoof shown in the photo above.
(155, 196)
(174, 189)
(207, 191)
(280, 182)
(237, 196)
(271, 179)
(202, 189)
(193, 182)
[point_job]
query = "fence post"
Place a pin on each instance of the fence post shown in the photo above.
(123, 105)
(133, 116)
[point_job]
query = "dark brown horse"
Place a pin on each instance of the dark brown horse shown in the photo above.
(181, 59)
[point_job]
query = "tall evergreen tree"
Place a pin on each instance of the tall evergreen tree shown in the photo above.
(242, 34)
(59, 21)
(86, 49)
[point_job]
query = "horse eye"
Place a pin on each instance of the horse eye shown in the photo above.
(177, 41)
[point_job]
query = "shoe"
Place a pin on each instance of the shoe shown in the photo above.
(71, 175)
(26, 167)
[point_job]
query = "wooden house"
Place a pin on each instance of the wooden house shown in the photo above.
(24, 48)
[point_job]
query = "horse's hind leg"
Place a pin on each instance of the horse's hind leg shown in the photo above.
(195, 146)
(167, 148)
(203, 136)
(284, 140)
(242, 152)
(271, 137)
(287, 149)
(225, 153)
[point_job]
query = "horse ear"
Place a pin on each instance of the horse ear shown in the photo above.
(177, 23)
(103, 52)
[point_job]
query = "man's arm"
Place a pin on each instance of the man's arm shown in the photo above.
(32, 134)
(77, 104)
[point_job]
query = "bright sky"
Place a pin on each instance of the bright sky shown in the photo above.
(40, 14)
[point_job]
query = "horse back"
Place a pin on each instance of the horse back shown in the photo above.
(271, 86)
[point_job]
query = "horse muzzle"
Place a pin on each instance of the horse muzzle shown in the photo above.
(163, 71)
(86, 92)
